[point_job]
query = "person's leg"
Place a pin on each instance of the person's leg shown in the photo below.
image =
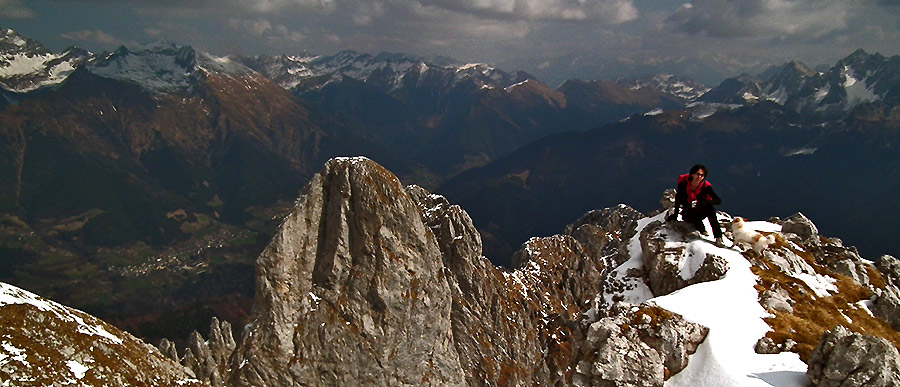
(714, 222)
(694, 217)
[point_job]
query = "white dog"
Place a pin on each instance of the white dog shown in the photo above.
(743, 234)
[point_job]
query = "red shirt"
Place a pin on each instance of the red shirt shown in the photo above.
(692, 193)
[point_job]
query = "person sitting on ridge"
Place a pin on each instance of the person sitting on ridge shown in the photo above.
(695, 198)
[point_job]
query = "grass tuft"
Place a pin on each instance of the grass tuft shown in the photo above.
(813, 315)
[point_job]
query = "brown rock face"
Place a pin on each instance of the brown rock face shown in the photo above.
(372, 283)
(351, 290)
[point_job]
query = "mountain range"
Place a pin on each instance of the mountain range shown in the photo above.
(166, 168)
(140, 185)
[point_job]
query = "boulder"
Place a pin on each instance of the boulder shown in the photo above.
(672, 266)
(848, 359)
(886, 305)
(801, 225)
(636, 345)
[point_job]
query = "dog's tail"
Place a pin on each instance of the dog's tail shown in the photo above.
(763, 242)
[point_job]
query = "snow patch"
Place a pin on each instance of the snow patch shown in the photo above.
(857, 91)
(821, 285)
(11, 352)
(702, 110)
(801, 152)
(691, 260)
(77, 368)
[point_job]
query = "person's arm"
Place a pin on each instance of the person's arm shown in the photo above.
(680, 200)
(713, 199)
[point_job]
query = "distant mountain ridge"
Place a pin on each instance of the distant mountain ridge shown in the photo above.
(451, 116)
(163, 66)
(858, 79)
(386, 70)
(446, 115)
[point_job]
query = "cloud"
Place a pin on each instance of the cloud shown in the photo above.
(95, 36)
(264, 29)
(257, 27)
(367, 11)
(605, 11)
(271, 6)
(761, 18)
(15, 9)
(235, 7)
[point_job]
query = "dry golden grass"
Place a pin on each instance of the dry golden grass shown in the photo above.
(814, 315)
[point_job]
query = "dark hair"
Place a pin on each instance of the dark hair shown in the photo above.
(698, 167)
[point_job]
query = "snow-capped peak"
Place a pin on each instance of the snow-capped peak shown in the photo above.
(389, 71)
(857, 79)
(25, 65)
(164, 66)
(668, 84)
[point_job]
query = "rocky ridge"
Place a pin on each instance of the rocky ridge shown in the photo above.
(571, 313)
(371, 282)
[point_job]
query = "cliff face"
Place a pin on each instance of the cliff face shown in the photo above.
(351, 290)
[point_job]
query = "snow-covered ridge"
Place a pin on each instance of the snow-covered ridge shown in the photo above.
(25, 65)
(729, 307)
(163, 66)
(11, 295)
(390, 71)
(668, 84)
(860, 78)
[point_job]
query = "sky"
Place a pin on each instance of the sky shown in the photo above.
(705, 40)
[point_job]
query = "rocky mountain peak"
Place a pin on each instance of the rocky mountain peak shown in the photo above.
(860, 57)
(163, 67)
(12, 43)
(351, 290)
(26, 65)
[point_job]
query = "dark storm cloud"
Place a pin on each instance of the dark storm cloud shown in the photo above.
(760, 18)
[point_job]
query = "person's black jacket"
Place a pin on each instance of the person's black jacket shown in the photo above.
(705, 199)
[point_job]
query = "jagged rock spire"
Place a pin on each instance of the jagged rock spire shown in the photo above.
(351, 290)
